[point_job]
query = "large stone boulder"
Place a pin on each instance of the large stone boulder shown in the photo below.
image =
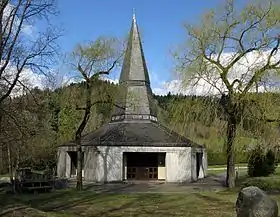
(254, 202)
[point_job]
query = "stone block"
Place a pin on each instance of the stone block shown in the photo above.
(254, 202)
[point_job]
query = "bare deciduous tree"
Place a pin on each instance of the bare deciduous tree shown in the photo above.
(233, 51)
(92, 61)
(25, 50)
(15, 130)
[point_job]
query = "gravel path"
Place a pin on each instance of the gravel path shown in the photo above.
(211, 183)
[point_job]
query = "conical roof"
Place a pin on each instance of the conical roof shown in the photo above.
(135, 97)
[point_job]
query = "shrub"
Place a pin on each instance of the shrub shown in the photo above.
(261, 164)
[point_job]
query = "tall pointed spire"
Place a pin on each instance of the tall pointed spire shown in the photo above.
(135, 95)
(134, 16)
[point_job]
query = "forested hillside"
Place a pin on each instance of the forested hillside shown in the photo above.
(203, 120)
(36, 123)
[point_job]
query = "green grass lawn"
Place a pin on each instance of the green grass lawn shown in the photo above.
(87, 203)
(214, 170)
(69, 202)
(224, 166)
(66, 203)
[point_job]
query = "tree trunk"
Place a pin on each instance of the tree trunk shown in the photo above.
(79, 137)
(79, 185)
(231, 133)
(17, 165)
(2, 162)
(18, 153)
(10, 161)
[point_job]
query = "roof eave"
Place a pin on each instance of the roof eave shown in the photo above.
(145, 144)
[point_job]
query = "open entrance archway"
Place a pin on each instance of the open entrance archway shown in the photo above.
(145, 165)
(199, 165)
(74, 163)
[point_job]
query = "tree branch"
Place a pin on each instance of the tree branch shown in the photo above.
(275, 49)
(11, 48)
(107, 71)
(263, 69)
(225, 37)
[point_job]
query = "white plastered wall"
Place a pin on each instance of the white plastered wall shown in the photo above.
(108, 165)
(177, 169)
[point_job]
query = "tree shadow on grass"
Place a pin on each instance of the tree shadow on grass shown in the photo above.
(114, 200)
(73, 201)
(145, 204)
(57, 200)
(214, 200)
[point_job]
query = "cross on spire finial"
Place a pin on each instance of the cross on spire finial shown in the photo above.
(133, 16)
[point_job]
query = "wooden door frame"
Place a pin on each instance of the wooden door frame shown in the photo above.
(142, 173)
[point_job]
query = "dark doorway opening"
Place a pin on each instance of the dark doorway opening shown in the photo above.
(142, 165)
(74, 162)
(198, 163)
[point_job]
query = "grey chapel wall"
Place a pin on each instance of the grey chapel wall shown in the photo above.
(61, 163)
(108, 165)
(203, 163)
